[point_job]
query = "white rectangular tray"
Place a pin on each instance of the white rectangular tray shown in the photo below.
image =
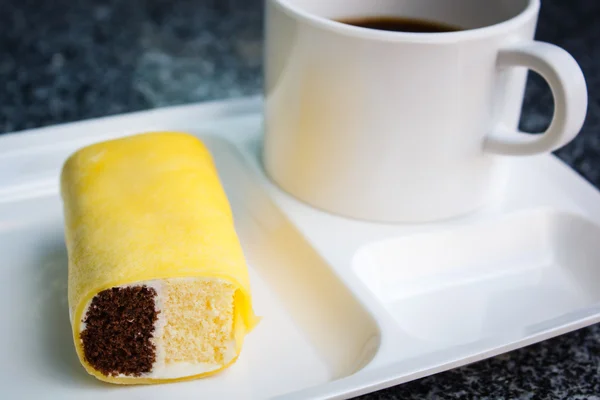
(349, 307)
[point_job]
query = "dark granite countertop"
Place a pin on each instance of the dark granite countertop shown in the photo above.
(66, 60)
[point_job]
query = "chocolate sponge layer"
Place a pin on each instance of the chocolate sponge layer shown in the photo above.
(118, 332)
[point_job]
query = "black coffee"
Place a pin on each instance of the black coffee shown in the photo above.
(400, 24)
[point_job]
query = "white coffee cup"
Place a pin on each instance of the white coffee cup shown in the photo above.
(406, 127)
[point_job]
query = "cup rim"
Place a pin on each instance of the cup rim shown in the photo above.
(530, 11)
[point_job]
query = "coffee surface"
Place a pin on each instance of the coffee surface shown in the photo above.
(400, 24)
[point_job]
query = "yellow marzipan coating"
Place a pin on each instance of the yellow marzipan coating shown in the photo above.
(144, 207)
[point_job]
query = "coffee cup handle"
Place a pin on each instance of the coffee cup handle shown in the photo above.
(566, 81)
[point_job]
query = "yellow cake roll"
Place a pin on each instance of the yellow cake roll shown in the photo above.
(158, 284)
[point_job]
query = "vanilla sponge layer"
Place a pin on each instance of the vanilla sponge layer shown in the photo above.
(192, 330)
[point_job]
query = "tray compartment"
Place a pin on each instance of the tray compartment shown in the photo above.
(507, 276)
(313, 329)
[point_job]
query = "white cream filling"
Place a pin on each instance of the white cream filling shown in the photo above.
(82, 324)
(159, 325)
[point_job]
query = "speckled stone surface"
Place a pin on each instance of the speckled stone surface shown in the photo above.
(66, 60)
